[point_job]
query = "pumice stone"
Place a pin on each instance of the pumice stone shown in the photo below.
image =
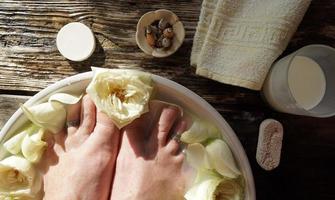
(269, 144)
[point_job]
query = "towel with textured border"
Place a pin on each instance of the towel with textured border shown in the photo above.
(237, 40)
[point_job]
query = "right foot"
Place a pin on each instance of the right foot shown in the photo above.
(149, 164)
(80, 163)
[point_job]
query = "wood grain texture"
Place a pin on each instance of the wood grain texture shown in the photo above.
(8, 105)
(29, 61)
(28, 30)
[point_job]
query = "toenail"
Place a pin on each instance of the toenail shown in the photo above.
(173, 108)
(176, 138)
(72, 123)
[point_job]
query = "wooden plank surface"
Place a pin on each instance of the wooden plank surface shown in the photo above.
(8, 105)
(28, 30)
(29, 61)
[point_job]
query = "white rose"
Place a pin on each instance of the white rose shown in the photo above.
(210, 185)
(18, 179)
(121, 94)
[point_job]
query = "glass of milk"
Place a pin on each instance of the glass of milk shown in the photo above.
(303, 82)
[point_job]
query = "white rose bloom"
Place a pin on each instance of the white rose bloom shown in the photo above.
(204, 187)
(18, 179)
(121, 94)
(210, 185)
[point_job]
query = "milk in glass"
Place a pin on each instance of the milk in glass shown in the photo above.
(306, 81)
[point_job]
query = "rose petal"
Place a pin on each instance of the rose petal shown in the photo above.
(199, 132)
(196, 156)
(33, 146)
(13, 145)
(222, 159)
(50, 115)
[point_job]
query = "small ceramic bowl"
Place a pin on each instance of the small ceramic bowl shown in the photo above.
(147, 19)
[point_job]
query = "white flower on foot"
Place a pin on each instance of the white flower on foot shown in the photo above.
(121, 94)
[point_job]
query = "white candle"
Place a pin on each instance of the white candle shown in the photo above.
(306, 81)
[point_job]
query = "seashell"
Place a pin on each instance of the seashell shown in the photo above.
(148, 30)
(162, 24)
(166, 42)
(159, 43)
(154, 29)
(151, 39)
(159, 32)
(168, 32)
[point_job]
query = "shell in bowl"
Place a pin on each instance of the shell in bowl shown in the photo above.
(152, 16)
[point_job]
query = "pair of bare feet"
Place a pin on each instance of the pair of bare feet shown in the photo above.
(97, 161)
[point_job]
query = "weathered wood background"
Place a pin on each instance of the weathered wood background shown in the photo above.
(29, 61)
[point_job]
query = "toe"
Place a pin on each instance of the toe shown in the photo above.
(88, 116)
(73, 115)
(137, 132)
(167, 118)
(58, 142)
(51, 153)
(105, 133)
(172, 147)
(181, 127)
(179, 159)
(104, 121)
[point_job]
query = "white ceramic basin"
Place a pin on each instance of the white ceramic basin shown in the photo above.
(166, 90)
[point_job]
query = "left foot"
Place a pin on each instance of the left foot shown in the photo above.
(149, 164)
